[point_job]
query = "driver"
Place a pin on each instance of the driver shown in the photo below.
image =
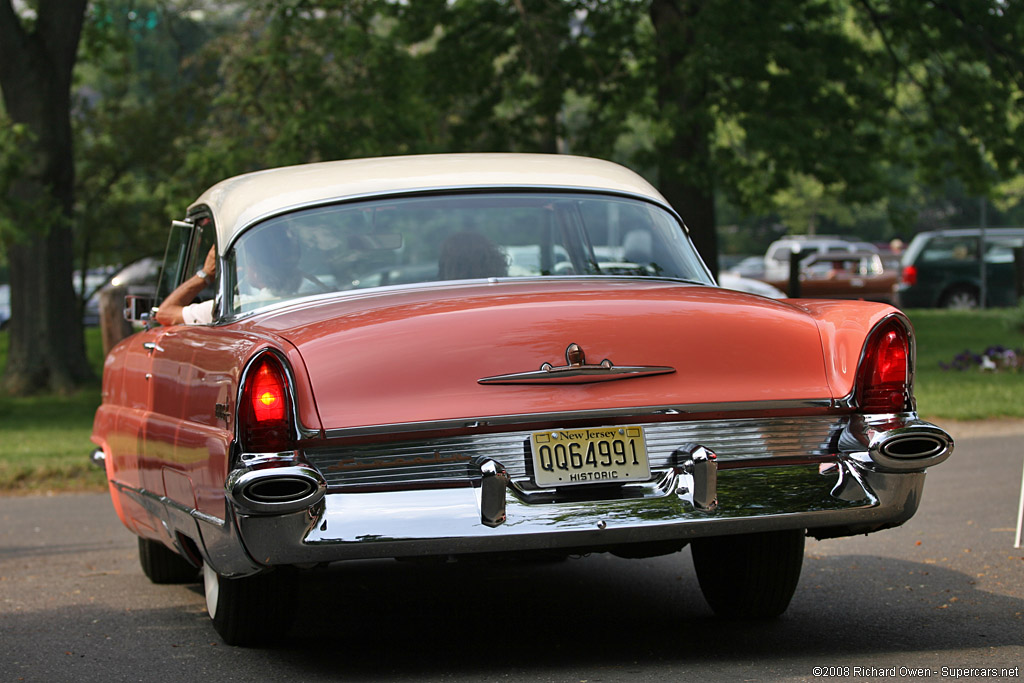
(269, 268)
(176, 309)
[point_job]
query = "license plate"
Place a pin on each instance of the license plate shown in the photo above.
(567, 457)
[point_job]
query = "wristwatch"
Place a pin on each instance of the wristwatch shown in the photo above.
(202, 274)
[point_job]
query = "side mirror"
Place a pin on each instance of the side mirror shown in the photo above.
(139, 309)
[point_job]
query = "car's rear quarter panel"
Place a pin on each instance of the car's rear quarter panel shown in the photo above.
(844, 327)
(170, 439)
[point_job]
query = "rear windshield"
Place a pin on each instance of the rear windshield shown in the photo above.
(456, 237)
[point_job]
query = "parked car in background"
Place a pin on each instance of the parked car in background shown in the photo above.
(942, 268)
(844, 275)
(779, 253)
(139, 277)
(95, 279)
(750, 266)
(730, 280)
(492, 356)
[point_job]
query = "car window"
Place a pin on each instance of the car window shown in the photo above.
(779, 252)
(176, 258)
(466, 236)
(1001, 250)
(947, 248)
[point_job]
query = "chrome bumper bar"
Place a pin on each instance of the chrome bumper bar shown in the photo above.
(862, 475)
(829, 499)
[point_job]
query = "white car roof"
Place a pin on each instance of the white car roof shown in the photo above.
(243, 200)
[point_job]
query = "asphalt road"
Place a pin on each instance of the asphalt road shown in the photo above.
(945, 590)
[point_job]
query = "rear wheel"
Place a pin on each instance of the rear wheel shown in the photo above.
(749, 576)
(961, 297)
(162, 565)
(251, 610)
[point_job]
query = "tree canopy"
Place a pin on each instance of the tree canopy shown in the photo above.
(874, 117)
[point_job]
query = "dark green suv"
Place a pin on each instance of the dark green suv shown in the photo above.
(942, 268)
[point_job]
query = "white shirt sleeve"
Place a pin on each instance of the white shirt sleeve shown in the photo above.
(198, 314)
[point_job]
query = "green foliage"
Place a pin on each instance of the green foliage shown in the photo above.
(860, 117)
(136, 84)
(298, 83)
(956, 77)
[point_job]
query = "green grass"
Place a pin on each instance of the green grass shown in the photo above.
(971, 394)
(46, 438)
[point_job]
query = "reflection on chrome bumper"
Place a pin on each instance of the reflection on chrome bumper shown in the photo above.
(830, 500)
(869, 477)
(832, 475)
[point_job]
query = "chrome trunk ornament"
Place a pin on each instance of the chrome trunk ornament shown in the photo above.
(576, 371)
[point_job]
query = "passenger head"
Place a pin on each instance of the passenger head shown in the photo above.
(271, 260)
(468, 255)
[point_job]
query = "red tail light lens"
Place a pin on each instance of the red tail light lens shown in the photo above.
(910, 275)
(884, 376)
(266, 408)
(268, 395)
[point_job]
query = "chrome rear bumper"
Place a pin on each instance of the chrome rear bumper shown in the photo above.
(868, 476)
(828, 499)
(836, 476)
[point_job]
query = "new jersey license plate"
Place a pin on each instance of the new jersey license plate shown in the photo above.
(567, 457)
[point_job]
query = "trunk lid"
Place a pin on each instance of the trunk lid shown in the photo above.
(417, 354)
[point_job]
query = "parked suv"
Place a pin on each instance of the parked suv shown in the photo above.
(943, 268)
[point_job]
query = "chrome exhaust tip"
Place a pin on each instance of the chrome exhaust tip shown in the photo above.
(900, 444)
(913, 446)
(277, 490)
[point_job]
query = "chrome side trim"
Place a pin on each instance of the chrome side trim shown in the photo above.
(572, 415)
(218, 540)
(145, 495)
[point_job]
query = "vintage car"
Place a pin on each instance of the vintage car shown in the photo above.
(497, 356)
(850, 275)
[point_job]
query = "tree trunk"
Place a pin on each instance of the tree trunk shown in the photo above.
(46, 349)
(684, 158)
